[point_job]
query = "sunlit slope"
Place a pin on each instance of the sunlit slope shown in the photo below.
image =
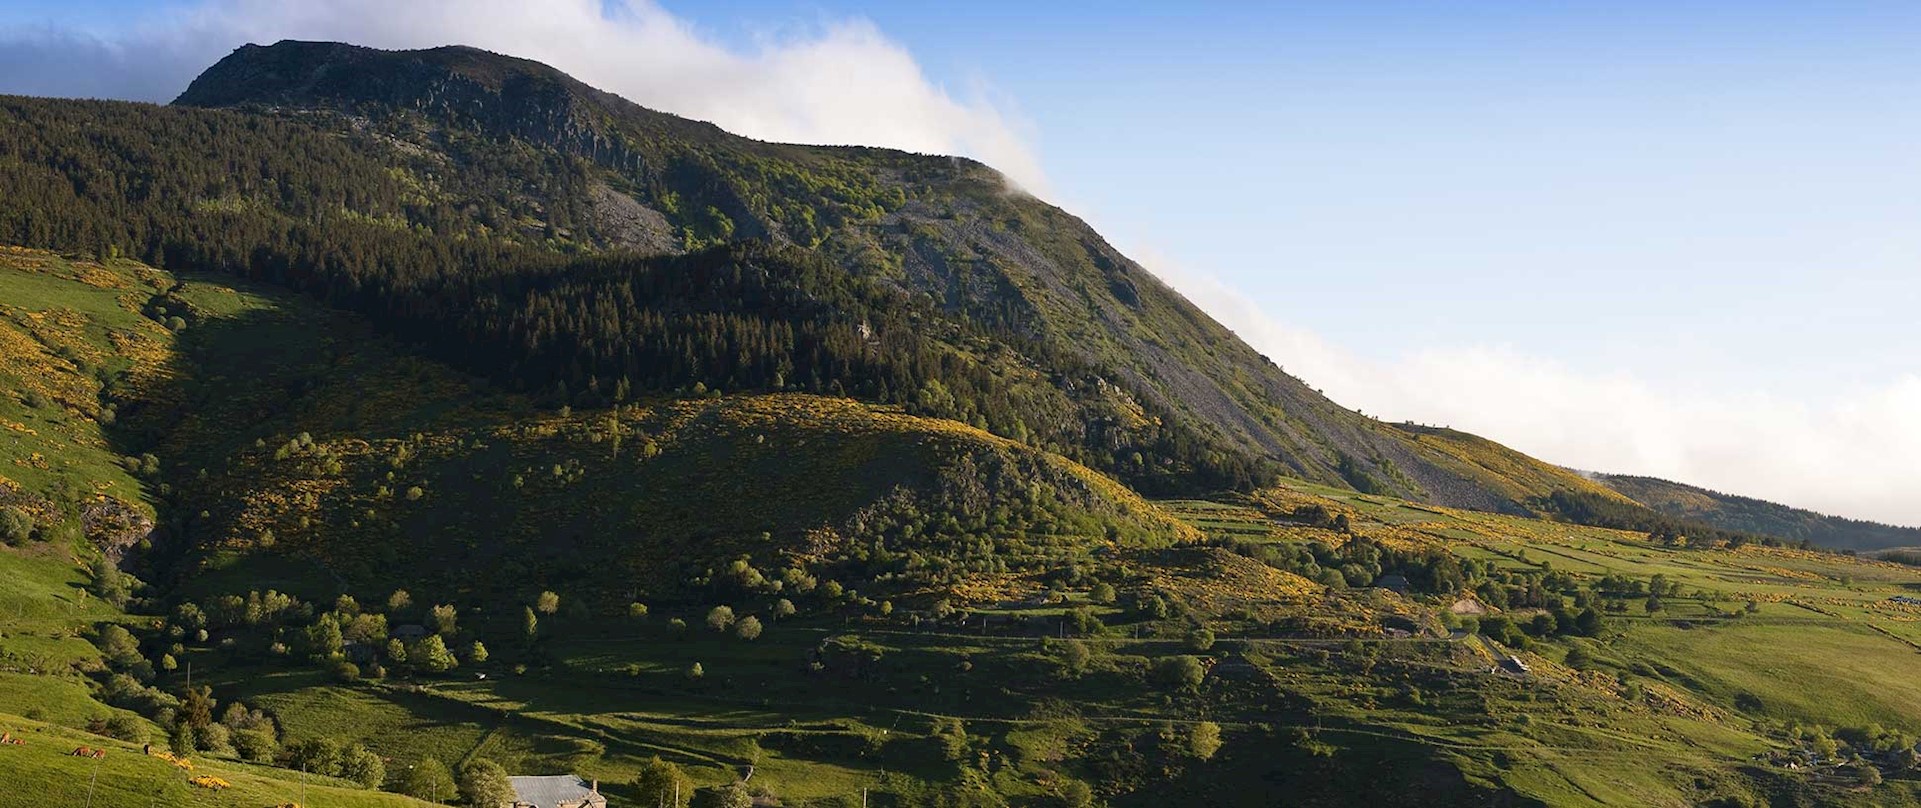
(1749, 652)
(651, 495)
(80, 342)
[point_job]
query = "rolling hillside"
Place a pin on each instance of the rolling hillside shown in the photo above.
(939, 616)
(282, 429)
(366, 416)
(1750, 515)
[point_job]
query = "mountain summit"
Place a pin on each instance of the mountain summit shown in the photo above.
(1141, 382)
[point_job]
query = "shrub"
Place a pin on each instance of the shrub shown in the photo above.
(215, 739)
(720, 617)
(445, 619)
(1199, 640)
(109, 583)
(1074, 658)
(430, 655)
(484, 782)
(1152, 607)
(125, 727)
(1083, 621)
(322, 756)
(1203, 739)
(748, 628)
(662, 784)
(255, 745)
(1075, 794)
(732, 795)
(428, 779)
(118, 645)
(1179, 672)
(15, 526)
(362, 766)
(181, 741)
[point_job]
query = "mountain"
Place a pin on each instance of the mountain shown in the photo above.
(369, 414)
(1146, 385)
(964, 620)
(1760, 517)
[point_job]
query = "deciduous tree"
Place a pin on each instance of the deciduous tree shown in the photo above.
(485, 784)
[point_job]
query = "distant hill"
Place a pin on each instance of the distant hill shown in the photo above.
(1749, 515)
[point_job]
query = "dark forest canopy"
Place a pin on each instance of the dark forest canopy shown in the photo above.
(283, 202)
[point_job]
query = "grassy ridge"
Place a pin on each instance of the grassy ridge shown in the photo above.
(1516, 478)
(1730, 512)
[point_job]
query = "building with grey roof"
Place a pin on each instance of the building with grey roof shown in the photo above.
(556, 791)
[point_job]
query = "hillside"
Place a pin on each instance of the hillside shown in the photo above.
(73, 345)
(369, 416)
(1750, 515)
(939, 616)
(298, 433)
(506, 164)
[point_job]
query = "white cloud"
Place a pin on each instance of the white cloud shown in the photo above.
(842, 83)
(1851, 452)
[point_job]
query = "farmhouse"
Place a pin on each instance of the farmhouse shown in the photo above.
(557, 791)
(1393, 582)
(410, 631)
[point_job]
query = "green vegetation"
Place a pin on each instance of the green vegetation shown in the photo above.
(847, 515)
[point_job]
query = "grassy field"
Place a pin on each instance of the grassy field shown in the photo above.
(74, 344)
(42, 771)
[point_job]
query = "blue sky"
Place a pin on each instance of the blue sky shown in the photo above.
(1674, 238)
(1721, 193)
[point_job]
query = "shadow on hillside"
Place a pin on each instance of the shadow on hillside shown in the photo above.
(237, 380)
(256, 369)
